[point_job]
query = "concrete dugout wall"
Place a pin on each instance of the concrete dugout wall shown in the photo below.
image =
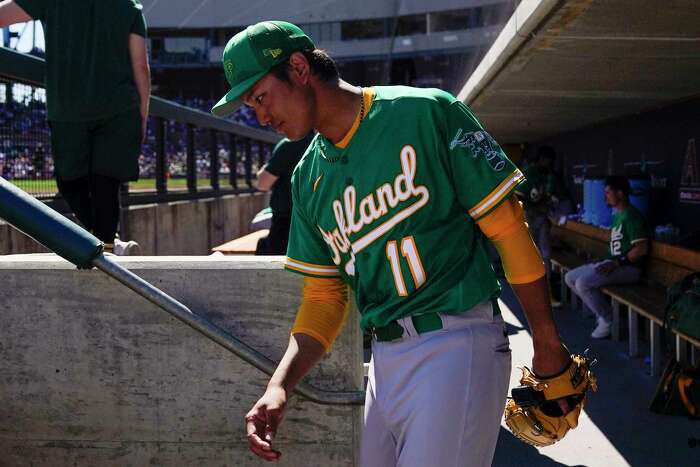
(93, 374)
(176, 228)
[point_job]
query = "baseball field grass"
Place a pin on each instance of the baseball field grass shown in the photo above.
(39, 187)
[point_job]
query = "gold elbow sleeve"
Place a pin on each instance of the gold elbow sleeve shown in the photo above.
(323, 310)
(506, 228)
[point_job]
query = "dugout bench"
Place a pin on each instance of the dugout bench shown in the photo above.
(665, 265)
(244, 245)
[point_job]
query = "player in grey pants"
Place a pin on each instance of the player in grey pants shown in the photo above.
(587, 280)
(467, 419)
(628, 246)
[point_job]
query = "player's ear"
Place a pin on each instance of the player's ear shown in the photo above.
(299, 68)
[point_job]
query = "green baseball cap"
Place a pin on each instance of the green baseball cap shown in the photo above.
(251, 53)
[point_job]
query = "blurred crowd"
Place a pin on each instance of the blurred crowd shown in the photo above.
(25, 150)
(24, 141)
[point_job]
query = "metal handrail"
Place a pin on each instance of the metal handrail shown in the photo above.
(22, 67)
(30, 69)
(218, 335)
(164, 108)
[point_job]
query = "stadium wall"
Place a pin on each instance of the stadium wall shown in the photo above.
(177, 228)
(93, 374)
(222, 13)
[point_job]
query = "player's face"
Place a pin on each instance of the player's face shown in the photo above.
(612, 197)
(282, 105)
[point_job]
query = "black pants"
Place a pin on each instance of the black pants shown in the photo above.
(94, 199)
(276, 241)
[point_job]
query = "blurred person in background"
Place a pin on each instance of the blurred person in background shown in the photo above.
(276, 175)
(97, 91)
(546, 200)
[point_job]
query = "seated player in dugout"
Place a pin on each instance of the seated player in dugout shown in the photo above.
(395, 197)
(629, 245)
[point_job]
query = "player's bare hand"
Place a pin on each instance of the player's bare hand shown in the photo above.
(606, 268)
(263, 420)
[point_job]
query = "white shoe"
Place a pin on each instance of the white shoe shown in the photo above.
(602, 330)
(129, 248)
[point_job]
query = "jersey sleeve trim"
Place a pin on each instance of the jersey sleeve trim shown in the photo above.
(497, 195)
(309, 269)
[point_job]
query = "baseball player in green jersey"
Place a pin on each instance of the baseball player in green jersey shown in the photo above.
(628, 246)
(534, 193)
(395, 197)
(546, 200)
(560, 202)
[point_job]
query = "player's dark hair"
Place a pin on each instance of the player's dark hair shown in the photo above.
(321, 64)
(618, 183)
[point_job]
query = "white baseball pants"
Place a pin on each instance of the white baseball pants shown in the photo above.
(436, 399)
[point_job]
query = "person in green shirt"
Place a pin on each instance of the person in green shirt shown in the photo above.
(97, 95)
(629, 243)
(276, 175)
(546, 200)
(395, 197)
(535, 198)
(559, 200)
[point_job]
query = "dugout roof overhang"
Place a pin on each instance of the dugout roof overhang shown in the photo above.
(562, 65)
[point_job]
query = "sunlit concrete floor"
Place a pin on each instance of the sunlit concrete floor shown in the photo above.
(616, 428)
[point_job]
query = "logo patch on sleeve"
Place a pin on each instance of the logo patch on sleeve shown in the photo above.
(480, 144)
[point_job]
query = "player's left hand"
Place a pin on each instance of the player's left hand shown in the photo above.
(262, 422)
(530, 413)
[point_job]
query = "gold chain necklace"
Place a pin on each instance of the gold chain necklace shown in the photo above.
(362, 105)
(362, 117)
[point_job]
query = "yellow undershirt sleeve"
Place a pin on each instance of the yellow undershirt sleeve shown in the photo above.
(505, 226)
(323, 309)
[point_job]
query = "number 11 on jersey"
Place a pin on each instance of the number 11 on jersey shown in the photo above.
(410, 252)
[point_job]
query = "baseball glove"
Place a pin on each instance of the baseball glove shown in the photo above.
(534, 415)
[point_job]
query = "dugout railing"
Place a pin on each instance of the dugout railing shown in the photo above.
(188, 153)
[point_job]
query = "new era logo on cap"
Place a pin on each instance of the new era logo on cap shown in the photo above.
(274, 53)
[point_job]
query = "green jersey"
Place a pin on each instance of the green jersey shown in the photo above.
(628, 228)
(541, 190)
(88, 67)
(556, 187)
(394, 212)
(533, 190)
